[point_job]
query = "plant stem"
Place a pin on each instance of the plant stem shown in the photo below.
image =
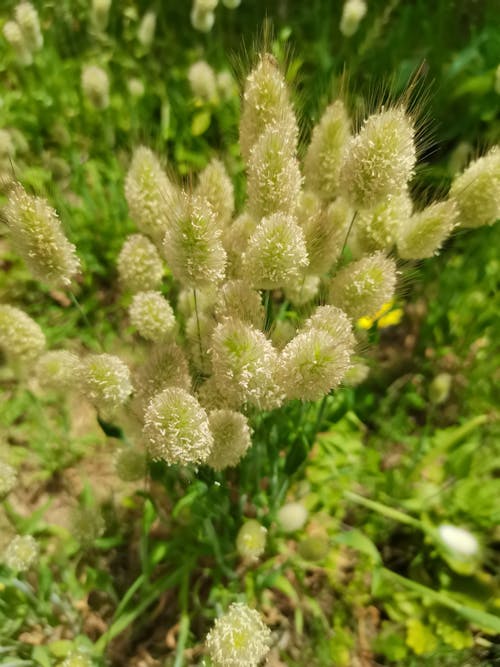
(384, 510)
(184, 622)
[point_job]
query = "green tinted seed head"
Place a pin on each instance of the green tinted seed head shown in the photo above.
(58, 370)
(216, 187)
(21, 338)
(140, 268)
(106, 381)
(352, 14)
(378, 228)
(14, 36)
(86, 525)
(21, 553)
(231, 435)
(95, 86)
(130, 464)
(251, 540)
(147, 27)
(202, 81)
(152, 316)
(29, 23)
(238, 299)
(424, 232)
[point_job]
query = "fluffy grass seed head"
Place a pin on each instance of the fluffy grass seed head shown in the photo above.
(459, 547)
(199, 330)
(136, 87)
(231, 4)
(202, 21)
(362, 287)
(165, 366)
(276, 255)
(335, 322)
(251, 540)
(423, 234)
(14, 36)
(147, 27)
(151, 197)
(380, 160)
(21, 338)
(202, 80)
(140, 267)
(292, 517)
(304, 291)
(29, 23)
(244, 363)
(216, 187)
(99, 14)
(7, 146)
(439, 388)
(324, 154)
(37, 235)
(239, 638)
(130, 464)
(86, 525)
(235, 240)
(377, 228)
(266, 102)
(21, 553)
(192, 245)
(282, 332)
(58, 370)
(106, 381)
(312, 364)
(477, 191)
(274, 178)
(176, 428)
(231, 435)
(238, 299)
(95, 86)
(352, 14)
(8, 479)
(152, 316)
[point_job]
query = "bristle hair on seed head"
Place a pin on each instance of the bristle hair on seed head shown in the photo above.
(21, 553)
(216, 187)
(165, 366)
(203, 81)
(58, 370)
(335, 322)
(238, 299)
(140, 267)
(231, 434)
(106, 381)
(377, 228)
(423, 234)
(21, 338)
(152, 316)
(235, 240)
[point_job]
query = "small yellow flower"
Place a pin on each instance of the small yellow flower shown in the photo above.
(384, 317)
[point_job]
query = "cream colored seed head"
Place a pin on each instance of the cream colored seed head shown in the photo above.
(29, 23)
(352, 14)
(14, 36)
(238, 299)
(477, 191)
(235, 239)
(378, 228)
(192, 245)
(216, 187)
(21, 553)
(251, 540)
(423, 234)
(176, 428)
(202, 81)
(276, 254)
(95, 86)
(165, 366)
(8, 479)
(100, 14)
(37, 235)
(59, 370)
(380, 160)
(292, 517)
(324, 155)
(202, 21)
(362, 287)
(335, 322)
(152, 316)
(239, 638)
(303, 291)
(139, 265)
(21, 338)
(147, 27)
(206, 5)
(106, 381)
(231, 435)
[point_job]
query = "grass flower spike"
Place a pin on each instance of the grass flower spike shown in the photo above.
(424, 232)
(106, 381)
(152, 316)
(202, 81)
(251, 540)
(231, 435)
(99, 14)
(95, 86)
(146, 32)
(22, 553)
(216, 188)
(14, 36)
(140, 268)
(352, 14)
(29, 23)
(21, 338)
(58, 369)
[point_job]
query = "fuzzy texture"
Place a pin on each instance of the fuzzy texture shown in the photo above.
(235, 240)
(477, 191)
(99, 14)
(312, 364)
(231, 435)
(106, 381)
(362, 287)
(152, 316)
(29, 23)
(130, 464)
(192, 245)
(151, 197)
(37, 235)
(21, 553)
(140, 268)
(425, 232)
(202, 21)
(305, 290)
(292, 517)
(14, 36)
(276, 254)
(251, 540)
(217, 189)
(239, 638)
(202, 81)
(199, 330)
(86, 525)
(21, 338)
(378, 228)
(324, 154)
(243, 363)
(147, 27)
(176, 428)
(335, 322)
(238, 299)
(95, 86)
(380, 160)
(274, 178)
(165, 366)
(352, 14)
(58, 370)
(266, 102)
(8, 479)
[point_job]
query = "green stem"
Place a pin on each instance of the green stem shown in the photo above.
(268, 308)
(384, 510)
(184, 622)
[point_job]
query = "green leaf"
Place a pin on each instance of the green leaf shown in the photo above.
(111, 430)
(356, 540)
(200, 123)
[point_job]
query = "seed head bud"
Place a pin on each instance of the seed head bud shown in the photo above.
(147, 27)
(176, 428)
(266, 102)
(352, 14)
(140, 268)
(282, 333)
(202, 21)
(251, 540)
(292, 517)
(238, 299)
(377, 228)
(37, 235)
(477, 191)
(362, 287)
(192, 245)
(425, 232)
(439, 388)
(380, 160)
(130, 464)
(312, 364)
(152, 316)
(106, 381)
(235, 239)
(305, 290)
(239, 638)
(99, 15)
(459, 547)
(136, 87)
(29, 23)
(86, 525)
(21, 338)
(274, 179)
(14, 36)
(206, 5)
(150, 195)
(276, 254)
(324, 155)
(216, 188)
(231, 4)
(231, 435)
(21, 553)
(165, 366)
(95, 86)
(357, 374)
(8, 479)
(58, 370)
(202, 81)
(244, 363)
(226, 85)
(335, 322)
